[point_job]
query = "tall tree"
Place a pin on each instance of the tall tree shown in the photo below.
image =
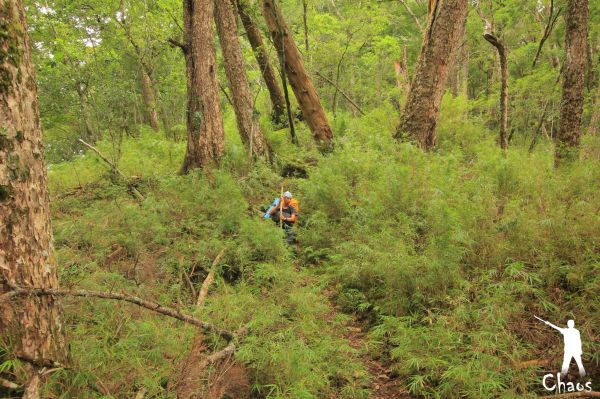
(148, 87)
(501, 47)
(149, 97)
(305, 23)
(89, 132)
(205, 132)
(301, 83)
(569, 132)
(440, 42)
(243, 102)
(262, 58)
(31, 327)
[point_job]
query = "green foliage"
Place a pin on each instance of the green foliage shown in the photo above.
(450, 254)
(445, 256)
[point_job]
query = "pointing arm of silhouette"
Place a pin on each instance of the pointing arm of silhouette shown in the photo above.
(549, 324)
(553, 326)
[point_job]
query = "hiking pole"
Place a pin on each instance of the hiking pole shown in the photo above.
(281, 209)
(542, 320)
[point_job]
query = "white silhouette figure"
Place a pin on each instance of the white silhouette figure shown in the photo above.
(572, 340)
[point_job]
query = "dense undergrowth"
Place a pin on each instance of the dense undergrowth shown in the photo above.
(447, 256)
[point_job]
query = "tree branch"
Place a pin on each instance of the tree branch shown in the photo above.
(155, 307)
(9, 384)
(208, 280)
(412, 14)
(547, 30)
(177, 43)
(340, 90)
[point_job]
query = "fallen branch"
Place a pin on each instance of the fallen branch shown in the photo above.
(9, 384)
(156, 307)
(116, 170)
(40, 363)
(341, 91)
(140, 394)
(222, 354)
(208, 280)
(590, 394)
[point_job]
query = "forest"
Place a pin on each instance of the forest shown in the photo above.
(299, 199)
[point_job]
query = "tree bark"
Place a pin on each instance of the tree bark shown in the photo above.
(301, 83)
(205, 132)
(243, 102)
(262, 58)
(569, 132)
(33, 328)
(149, 98)
(503, 138)
(419, 119)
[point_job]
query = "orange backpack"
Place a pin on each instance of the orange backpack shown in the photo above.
(294, 202)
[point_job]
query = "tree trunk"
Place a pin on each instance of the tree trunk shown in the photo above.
(305, 23)
(89, 133)
(149, 98)
(233, 59)
(463, 73)
(503, 139)
(419, 120)
(205, 132)
(569, 133)
(262, 58)
(32, 326)
(288, 53)
(165, 122)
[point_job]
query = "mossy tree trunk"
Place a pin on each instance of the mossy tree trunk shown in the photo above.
(205, 132)
(262, 58)
(31, 327)
(442, 37)
(569, 132)
(233, 60)
(149, 97)
(301, 83)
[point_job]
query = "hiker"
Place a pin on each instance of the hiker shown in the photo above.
(288, 206)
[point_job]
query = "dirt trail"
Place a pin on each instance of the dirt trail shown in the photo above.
(383, 384)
